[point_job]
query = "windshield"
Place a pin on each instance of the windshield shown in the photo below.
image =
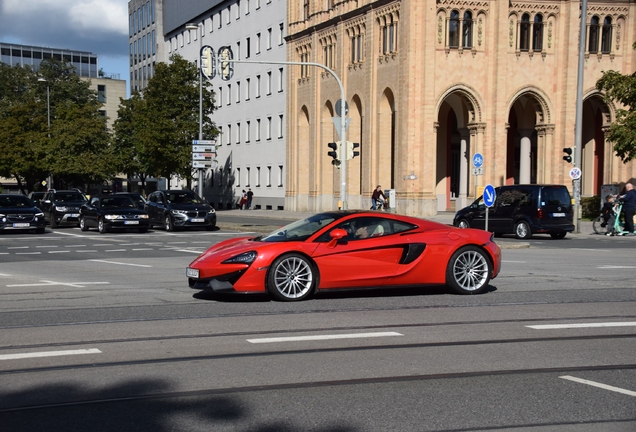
(300, 230)
(69, 197)
(183, 198)
(15, 201)
(118, 202)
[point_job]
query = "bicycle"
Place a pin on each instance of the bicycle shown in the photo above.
(602, 227)
(380, 204)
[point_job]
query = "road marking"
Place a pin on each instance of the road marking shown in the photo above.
(28, 253)
(4, 274)
(519, 262)
(70, 234)
(115, 250)
(85, 250)
(599, 385)
(49, 354)
(324, 337)
(189, 251)
(4, 253)
(611, 267)
(59, 251)
(120, 263)
(103, 244)
(18, 247)
(53, 283)
(52, 246)
(581, 325)
(142, 249)
(70, 246)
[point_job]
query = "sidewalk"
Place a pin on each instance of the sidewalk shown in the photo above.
(441, 217)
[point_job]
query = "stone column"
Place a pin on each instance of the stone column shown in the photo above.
(464, 161)
(477, 131)
(524, 156)
(608, 160)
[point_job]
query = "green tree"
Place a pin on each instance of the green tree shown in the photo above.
(622, 133)
(155, 129)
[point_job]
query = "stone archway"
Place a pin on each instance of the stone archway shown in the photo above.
(383, 161)
(302, 156)
(596, 155)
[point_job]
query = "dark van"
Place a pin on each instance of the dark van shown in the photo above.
(522, 210)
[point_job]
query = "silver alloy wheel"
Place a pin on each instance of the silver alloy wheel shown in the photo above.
(168, 223)
(470, 270)
(522, 230)
(293, 277)
(83, 225)
(100, 226)
(463, 224)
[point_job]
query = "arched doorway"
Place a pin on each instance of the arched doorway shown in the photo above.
(383, 161)
(594, 155)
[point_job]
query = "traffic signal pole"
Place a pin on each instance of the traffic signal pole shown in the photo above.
(579, 116)
(343, 123)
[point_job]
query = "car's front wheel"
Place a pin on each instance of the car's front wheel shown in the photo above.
(101, 226)
(468, 271)
(522, 230)
(463, 223)
(83, 225)
(291, 278)
(168, 224)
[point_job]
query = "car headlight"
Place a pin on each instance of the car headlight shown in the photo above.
(60, 208)
(36, 215)
(111, 217)
(244, 258)
(178, 211)
(143, 216)
(211, 211)
(2, 215)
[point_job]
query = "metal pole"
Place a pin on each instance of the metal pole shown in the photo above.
(578, 125)
(200, 107)
(343, 125)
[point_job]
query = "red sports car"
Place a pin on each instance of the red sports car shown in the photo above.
(349, 249)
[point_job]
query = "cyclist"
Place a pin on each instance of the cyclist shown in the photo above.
(376, 201)
(608, 215)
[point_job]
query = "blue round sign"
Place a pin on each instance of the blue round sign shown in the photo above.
(478, 160)
(489, 195)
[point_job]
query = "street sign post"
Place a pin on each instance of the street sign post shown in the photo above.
(478, 171)
(478, 160)
(489, 200)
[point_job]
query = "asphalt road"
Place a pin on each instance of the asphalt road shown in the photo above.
(102, 333)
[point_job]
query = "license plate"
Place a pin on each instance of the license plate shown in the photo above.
(197, 220)
(21, 225)
(193, 273)
(73, 215)
(558, 214)
(131, 222)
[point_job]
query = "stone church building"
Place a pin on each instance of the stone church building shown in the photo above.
(429, 83)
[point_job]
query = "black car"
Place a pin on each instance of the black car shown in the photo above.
(17, 212)
(174, 209)
(36, 197)
(62, 207)
(522, 210)
(139, 199)
(112, 212)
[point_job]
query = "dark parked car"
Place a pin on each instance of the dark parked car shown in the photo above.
(62, 207)
(174, 209)
(522, 210)
(17, 212)
(139, 199)
(36, 197)
(112, 212)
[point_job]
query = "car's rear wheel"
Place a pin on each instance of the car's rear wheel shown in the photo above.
(463, 223)
(468, 271)
(558, 235)
(522, 230)
(101, 226)
(83, 225)
(291, 278)
(168, 224)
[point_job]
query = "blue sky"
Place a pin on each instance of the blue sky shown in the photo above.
(98, 26)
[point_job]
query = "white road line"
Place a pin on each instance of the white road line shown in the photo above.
(4, 253)
(85, 250)
(115, 250)
(49, 354)
(71, 246)
(18, 247)
(103, 244)
(46, 246)
(59, 251)
(324, 337)
(611, 267)
(581, 325)
(4, 274)
(519, 262)
(142, 249)
(28, 253)
(189, 251)
(177, 242)
(53, 283)
(120, 263)
(599, 385)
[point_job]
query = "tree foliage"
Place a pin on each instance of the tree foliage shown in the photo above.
(155, 129)
(622, 133)
(75, 147)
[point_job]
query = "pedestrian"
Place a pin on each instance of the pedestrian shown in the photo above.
(243, 201)
(629, 207)
(608, 215)
(250, 195)
(375, 198)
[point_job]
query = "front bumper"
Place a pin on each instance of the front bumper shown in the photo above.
(221, 284)
(70, 218)
(21, 225)
(126, 224)
(184, 220)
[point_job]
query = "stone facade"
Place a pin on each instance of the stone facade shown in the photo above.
(429, 83)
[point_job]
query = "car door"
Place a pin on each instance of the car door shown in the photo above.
(89, 212)
(359, 262)
(500, 220)
(151, 207)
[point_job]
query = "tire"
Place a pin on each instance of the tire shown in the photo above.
(522, 230)
(558, 235)
(598, 229)
(53, 222)
(463, 223)
(101, 227)
(83, 225)
(469, 271)
(291, 278)
(167, 223)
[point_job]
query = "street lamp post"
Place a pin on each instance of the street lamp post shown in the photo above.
(48, 116)
(192, 26)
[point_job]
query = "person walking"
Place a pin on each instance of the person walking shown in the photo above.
(243, 201)
(629, 207)
(250, 195)
(375, 198)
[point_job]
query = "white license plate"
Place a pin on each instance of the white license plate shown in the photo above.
(21, 225)
(73, 215)
(197, 220)
(558, 214)
(193, 273)
(131, 222)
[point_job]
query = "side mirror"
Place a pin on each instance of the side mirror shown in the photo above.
(336, 235)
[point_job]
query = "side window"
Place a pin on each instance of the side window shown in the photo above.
(94, 202)
(527, 198)
(510, 198)
(368, 227)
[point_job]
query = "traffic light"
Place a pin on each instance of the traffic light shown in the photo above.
(334, 153)
(351, 150)
(568, 154)
(208, 62)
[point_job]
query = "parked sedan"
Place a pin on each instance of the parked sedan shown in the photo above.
(174, 209)
(349, 250)
(110, 212)
(17, 212)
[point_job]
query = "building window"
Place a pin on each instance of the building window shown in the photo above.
(537, 33)
(356, 45)
(247, 89)
(606, 38)
(258, 43)
(281, 31)
(238, 177)
(237, 10)
(304, 58)
(248, 131)
(238, 133)
(389, 35)
(258, 129)
(594, 30)
(305, 10)
(258, 86)
(453, 29)
(238, 92)
(247, 177)
(467, 30)
(238, 50)
(280, 126)
(247, 7)
(269, 38)
(524, 33)
(268, 179)
(280, 80)
(280, 176)
(228, 138)
(268, 131)
(258, 177)
(220, 97)
(329, 51)
(247, 48)
(269, 83)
